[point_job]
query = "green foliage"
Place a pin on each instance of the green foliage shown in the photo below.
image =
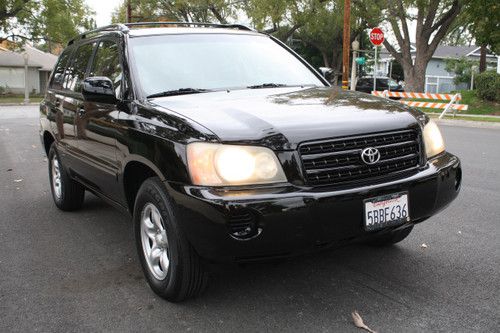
(54, 21)
(177, 10)
(482, 17)
(317, 24)
(488, 86)
(462, 68)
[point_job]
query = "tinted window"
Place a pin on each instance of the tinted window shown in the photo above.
(58, 77)
(75, 73)
(107, 63)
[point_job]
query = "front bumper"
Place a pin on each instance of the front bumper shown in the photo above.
(294, 221)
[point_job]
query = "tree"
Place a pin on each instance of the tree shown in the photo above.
(462, 68)
(315, 23)
(177, 10)
(482, 18)
(52, 21)
(433, 21)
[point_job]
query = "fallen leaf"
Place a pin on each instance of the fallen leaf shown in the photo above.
(33, 146)
(358, 322)
(424, 246)
(18, 180)
(9, 169)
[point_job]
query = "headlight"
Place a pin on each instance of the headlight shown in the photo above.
(213, 164)
(433, 139)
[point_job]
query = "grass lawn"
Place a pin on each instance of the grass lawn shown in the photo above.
(18, 99)
(476, 105)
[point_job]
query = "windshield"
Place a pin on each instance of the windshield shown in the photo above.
(215, 61)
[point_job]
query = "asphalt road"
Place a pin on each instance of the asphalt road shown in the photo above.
(63, 272)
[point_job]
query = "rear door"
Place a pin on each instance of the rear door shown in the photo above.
(72, 103)
(96, 124)
(55, 96)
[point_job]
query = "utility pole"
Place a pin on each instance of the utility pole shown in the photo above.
(129, 12)
(346, 44)
(26, 79)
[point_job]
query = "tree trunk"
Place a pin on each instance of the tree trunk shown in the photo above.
(482, 59)
(325, 58)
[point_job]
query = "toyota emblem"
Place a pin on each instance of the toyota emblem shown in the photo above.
(370, 155)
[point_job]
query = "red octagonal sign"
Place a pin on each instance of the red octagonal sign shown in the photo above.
(376, 36)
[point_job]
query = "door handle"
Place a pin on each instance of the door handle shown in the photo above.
(81, 111)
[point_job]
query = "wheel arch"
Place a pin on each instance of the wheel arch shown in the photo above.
(137, 169)
(48, 139)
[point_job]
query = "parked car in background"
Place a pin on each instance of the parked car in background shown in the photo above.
(365, 84)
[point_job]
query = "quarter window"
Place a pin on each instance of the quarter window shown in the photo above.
(76, 72)
(58, 76)
(107, 63)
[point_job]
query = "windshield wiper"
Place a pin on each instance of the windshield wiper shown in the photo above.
(175, 92)
(267, 85)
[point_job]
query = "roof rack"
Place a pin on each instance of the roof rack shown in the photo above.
(125, 27)
(111, 27)
(195, 24)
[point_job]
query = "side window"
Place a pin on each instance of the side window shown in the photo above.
(75, 73)
(107, 63)
(58, 78)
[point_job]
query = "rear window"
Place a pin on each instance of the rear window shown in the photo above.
(75, 73)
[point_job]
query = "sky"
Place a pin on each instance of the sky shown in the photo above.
(103, 10)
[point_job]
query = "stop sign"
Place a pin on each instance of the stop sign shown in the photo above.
(376, 36)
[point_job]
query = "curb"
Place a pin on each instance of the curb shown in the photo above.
(17, 104)
(467, 123)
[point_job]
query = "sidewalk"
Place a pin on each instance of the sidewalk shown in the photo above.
(449, 121)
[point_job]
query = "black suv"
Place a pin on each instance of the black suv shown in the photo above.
(225, 145)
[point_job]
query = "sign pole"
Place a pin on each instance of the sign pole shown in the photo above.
(375, 70)
(377, 38)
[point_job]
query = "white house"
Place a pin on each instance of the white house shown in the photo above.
(437, 79)
(40, 64)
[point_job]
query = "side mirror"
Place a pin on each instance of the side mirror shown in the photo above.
(327, 73)
(99, 89)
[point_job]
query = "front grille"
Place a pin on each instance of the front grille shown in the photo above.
(338, 161)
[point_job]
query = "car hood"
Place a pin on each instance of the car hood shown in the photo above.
(284, 117)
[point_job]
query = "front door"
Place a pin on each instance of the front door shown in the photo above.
(96, 126)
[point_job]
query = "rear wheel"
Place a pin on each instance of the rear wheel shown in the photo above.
(390, 238)
(68, 194)
(172, 267)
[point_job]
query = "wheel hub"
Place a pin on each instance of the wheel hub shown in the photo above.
(154, 242)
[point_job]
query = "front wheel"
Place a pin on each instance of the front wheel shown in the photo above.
(172, 267)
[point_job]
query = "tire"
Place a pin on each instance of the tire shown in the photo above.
(68, 194)
(390, 238)
(159, 237)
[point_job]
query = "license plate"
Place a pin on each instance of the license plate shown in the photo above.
(385, 211)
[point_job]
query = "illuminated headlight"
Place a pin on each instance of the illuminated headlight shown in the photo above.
(433, 139)
(213, 164)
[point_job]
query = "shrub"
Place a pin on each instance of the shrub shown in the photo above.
(488, 86)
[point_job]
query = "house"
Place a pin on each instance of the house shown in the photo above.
(12, 74)
(437, 79)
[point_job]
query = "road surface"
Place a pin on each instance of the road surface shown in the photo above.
(79, 271)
